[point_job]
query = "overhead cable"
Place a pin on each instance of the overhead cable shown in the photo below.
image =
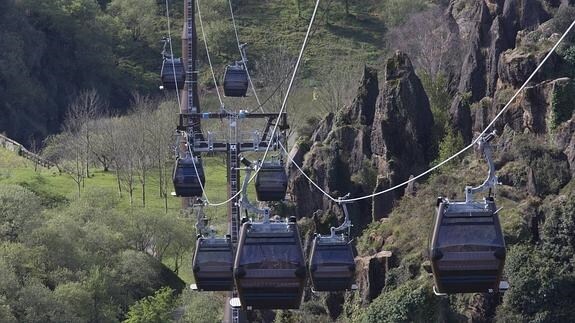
(208, 53)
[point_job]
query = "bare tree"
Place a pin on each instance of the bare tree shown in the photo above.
(428, 39)
(163, 142)
(126, 157)
(338, 87)
(142, 120)
(106, 147)
(276, 70)
(66, 150)
(80, 118)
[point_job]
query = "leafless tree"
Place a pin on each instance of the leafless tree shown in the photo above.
(126, 157)
(163, 140)
(275, 70)
(80, 118)
(338, 87)
(142, 128)
(106, 145)
(428, 39)
(66, 150)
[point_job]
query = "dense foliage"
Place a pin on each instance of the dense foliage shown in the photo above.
(55, 49)
(80, 262)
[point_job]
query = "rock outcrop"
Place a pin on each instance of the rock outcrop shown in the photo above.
(378, 141)
(488, 29)
(370, 277)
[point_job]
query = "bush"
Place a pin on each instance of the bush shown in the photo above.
(411, 302)
(19, 212)
(153, 309)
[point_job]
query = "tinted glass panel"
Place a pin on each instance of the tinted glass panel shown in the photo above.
(223, 256)
(468, 231)
(333, 254)
(187, 171)
(271, 256)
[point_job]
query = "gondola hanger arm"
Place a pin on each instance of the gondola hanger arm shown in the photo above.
(491, 180)
(244, 201)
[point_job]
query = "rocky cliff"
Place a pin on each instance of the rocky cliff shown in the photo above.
(377, 141)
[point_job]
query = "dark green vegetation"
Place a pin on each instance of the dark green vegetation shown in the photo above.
(55, 49)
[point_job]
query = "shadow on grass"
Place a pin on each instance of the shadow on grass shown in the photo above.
(364, 29)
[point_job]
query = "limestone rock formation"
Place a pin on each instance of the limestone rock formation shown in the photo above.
(488, 29)
(370, 276)
(382, 134)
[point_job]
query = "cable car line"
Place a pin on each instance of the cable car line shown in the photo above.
(208, 53)
(172, 51)
(288, 91)
(296, 67)
(273, 93)
(240, 48)
(474, 142)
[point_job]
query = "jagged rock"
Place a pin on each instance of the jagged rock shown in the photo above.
(565, 140)
(460, 117)
(387, 132)
(494, 30)
(354, 142)
(401, 137)
(296, 155)
(515, 67)
(323, 129)
(383, 203)
(362, 109)
(534, 110)
(481, 111)
(370, 275)
(411, 188)
(473, 69)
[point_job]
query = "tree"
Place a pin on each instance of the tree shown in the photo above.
(202, 307)
(80, 118)
(143, 145)
(127, 157)
(20, 212)
(163, 140)
(338, 88)
(153, 309)
(67, 151)
(433, 47)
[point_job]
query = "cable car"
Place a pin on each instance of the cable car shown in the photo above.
(236, 80)
(173, 73)
(188, 183)
(213, 264)
(269, 268)
(467, 247)
(332, 264)
(271, 182)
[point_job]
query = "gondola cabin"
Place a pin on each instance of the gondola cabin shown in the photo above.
(467, 247)
(235, 81)
(269, 269)
(173, 74)
(271, 182)
(213, 264)
(332, 264)
(188, 182)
